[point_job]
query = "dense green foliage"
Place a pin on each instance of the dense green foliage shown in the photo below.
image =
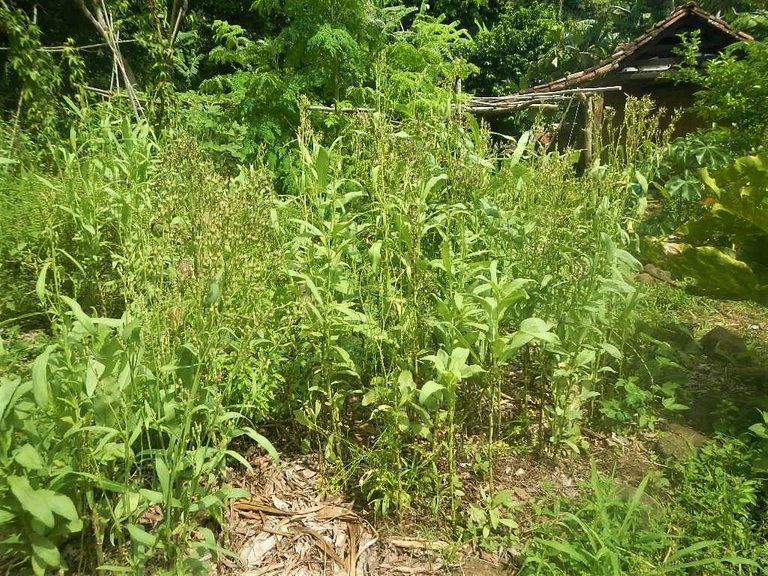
(201, 266)
(717, 226)
(732, 92)
(706, 528)
(505, 53)
(723, 249)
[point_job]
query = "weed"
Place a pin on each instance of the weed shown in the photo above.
(609, 534)
(716, 497)
(489, 522)
(406, 296)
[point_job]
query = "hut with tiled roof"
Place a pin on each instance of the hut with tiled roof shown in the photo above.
(635, 69)
(637, 65)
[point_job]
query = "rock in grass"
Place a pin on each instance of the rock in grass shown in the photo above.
(755, 376)
(646, 279)
(722, 344)
(675, 334)
(680, 442)
(658, 274)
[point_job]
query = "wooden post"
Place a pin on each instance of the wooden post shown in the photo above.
(593, 126)
(597, 124)
(589, 120)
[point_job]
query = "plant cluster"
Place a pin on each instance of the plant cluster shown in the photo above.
(731, 95)
(721, 249)
(114, 440)
(385, 306)
(615, 530)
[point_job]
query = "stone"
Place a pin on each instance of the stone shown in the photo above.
(755, 376)
(722, 344)
(679, 442)
(646, 279)
(676, 334)
(658, 273)
(480, 567)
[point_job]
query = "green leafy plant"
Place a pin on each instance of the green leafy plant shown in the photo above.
(442, 392)
(632, 404)
(513, 45)
(728, 96)
(718, 498)
(760, 429)
(613, 534)
(719, 250)
(677, 180)
(489, 522)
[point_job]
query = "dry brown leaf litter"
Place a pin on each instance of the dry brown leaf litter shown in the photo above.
(290, 527)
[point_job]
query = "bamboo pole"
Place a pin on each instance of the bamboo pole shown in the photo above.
(496, 105)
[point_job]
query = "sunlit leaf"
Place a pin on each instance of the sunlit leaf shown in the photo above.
(28, 457)
(30, 500)
(429, 389)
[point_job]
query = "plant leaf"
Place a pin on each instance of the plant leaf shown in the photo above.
(40, 377)
(40, 284)
(45, 550)
(30, 501)
(28, 457)
(261, 441)
(163, 475)
(83, 318)
(139, 535)
(429, 389)
(60, 504)
(8, 390)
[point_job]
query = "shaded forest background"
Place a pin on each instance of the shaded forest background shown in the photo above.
(243, 66)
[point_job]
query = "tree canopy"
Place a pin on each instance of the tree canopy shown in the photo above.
(246, 65)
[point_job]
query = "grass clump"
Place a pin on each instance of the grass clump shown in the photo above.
(610, 530)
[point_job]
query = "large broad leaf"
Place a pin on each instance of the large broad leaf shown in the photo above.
(715, 224)
(458, 364)
(10, 390)
(533, 329)
(63, 506)
(45, 550)
(716, 273)
(742, 189)
(28, 457)
(738, 220)
(429, 389)
(30, 500)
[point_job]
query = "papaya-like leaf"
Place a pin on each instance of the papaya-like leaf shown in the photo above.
(715, 272)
